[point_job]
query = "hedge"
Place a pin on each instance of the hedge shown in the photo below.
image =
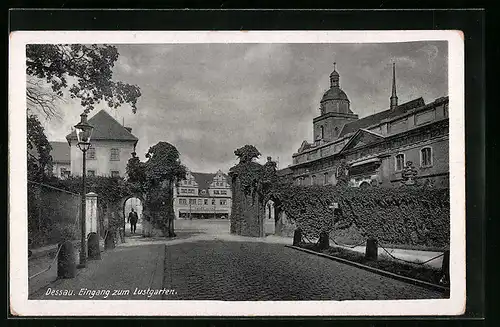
(410, 215)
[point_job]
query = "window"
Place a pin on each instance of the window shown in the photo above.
(191, 190)
(115, 155)
(313, 179)
(213, 202)
(183, 190)
(223, 202)
(91, 154)
(426, 157)
(216, 192)
(223, 192)
(399, 162)
(192, 201)
(115, 173)
(205, 201)
(322, 132)
(203, 192)
(336, 131)
(183, 201)
(325, 178)
(91, 173)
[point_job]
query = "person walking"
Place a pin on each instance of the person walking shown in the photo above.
(133, 218)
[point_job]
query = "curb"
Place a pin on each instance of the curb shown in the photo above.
(376, 271)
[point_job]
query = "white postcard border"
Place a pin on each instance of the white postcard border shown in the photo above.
(20, 305)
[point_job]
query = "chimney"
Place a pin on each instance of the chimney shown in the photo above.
(129, 129)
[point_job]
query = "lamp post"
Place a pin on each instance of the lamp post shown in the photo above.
(83, 133)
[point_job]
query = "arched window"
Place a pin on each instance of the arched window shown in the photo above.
(325, 178)
(399, 162)
(426, 157)
(313, 179)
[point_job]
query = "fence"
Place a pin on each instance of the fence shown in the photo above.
(53, 215)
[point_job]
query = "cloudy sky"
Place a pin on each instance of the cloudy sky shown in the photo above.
(209, 99)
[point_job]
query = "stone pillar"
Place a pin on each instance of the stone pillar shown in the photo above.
(371, 252)
(445, 267)
(66, 261)
(109, 240)
(91, 213)
(94, 251)
(297, 237)
(324, 241)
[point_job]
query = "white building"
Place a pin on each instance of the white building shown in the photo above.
(112, 147)
(203, 195)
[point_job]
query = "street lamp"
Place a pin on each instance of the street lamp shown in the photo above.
(83, 133)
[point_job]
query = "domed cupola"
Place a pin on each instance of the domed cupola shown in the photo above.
(335, 100)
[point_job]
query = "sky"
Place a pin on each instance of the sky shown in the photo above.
(210, 99)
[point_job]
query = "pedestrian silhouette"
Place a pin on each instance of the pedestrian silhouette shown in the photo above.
(133, 218)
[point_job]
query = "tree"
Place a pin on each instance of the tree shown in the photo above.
(85, 71)
(136, 170)
(157, 177)
(247, 153)
(38, 150)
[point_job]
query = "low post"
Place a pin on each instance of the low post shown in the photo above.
(109, 240)
(66, 261)
(94, 251)
(445, 267)
(371, 252)
(297, 237)
(324, 241)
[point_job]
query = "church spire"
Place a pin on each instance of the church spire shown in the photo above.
(334, 77)
(394, 97)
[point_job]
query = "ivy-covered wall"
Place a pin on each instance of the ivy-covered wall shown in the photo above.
(407, 215)
(247, 212)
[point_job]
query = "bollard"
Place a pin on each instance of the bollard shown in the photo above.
(324, 241)
(297, 237)
(445, 267)
(66, 261)
(109, 241)
(371, 252)
(94, 252)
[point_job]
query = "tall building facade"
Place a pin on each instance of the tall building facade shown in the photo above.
(374, 150)
(112, 145)
(203, 195)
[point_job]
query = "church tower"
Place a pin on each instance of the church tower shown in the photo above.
(394, 97)
(335, 111)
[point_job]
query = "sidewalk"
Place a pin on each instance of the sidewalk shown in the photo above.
(46, 257)
(109, 278)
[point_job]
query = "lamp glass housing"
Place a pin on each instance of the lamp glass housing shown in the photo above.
(84, 133)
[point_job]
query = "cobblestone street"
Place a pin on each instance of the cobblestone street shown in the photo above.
(205, 262)
(252, 271)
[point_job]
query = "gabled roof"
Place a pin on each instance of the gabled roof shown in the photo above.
(61, 152)
(372, 137)
(378, 117)
(106, 128)
(205, 179)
